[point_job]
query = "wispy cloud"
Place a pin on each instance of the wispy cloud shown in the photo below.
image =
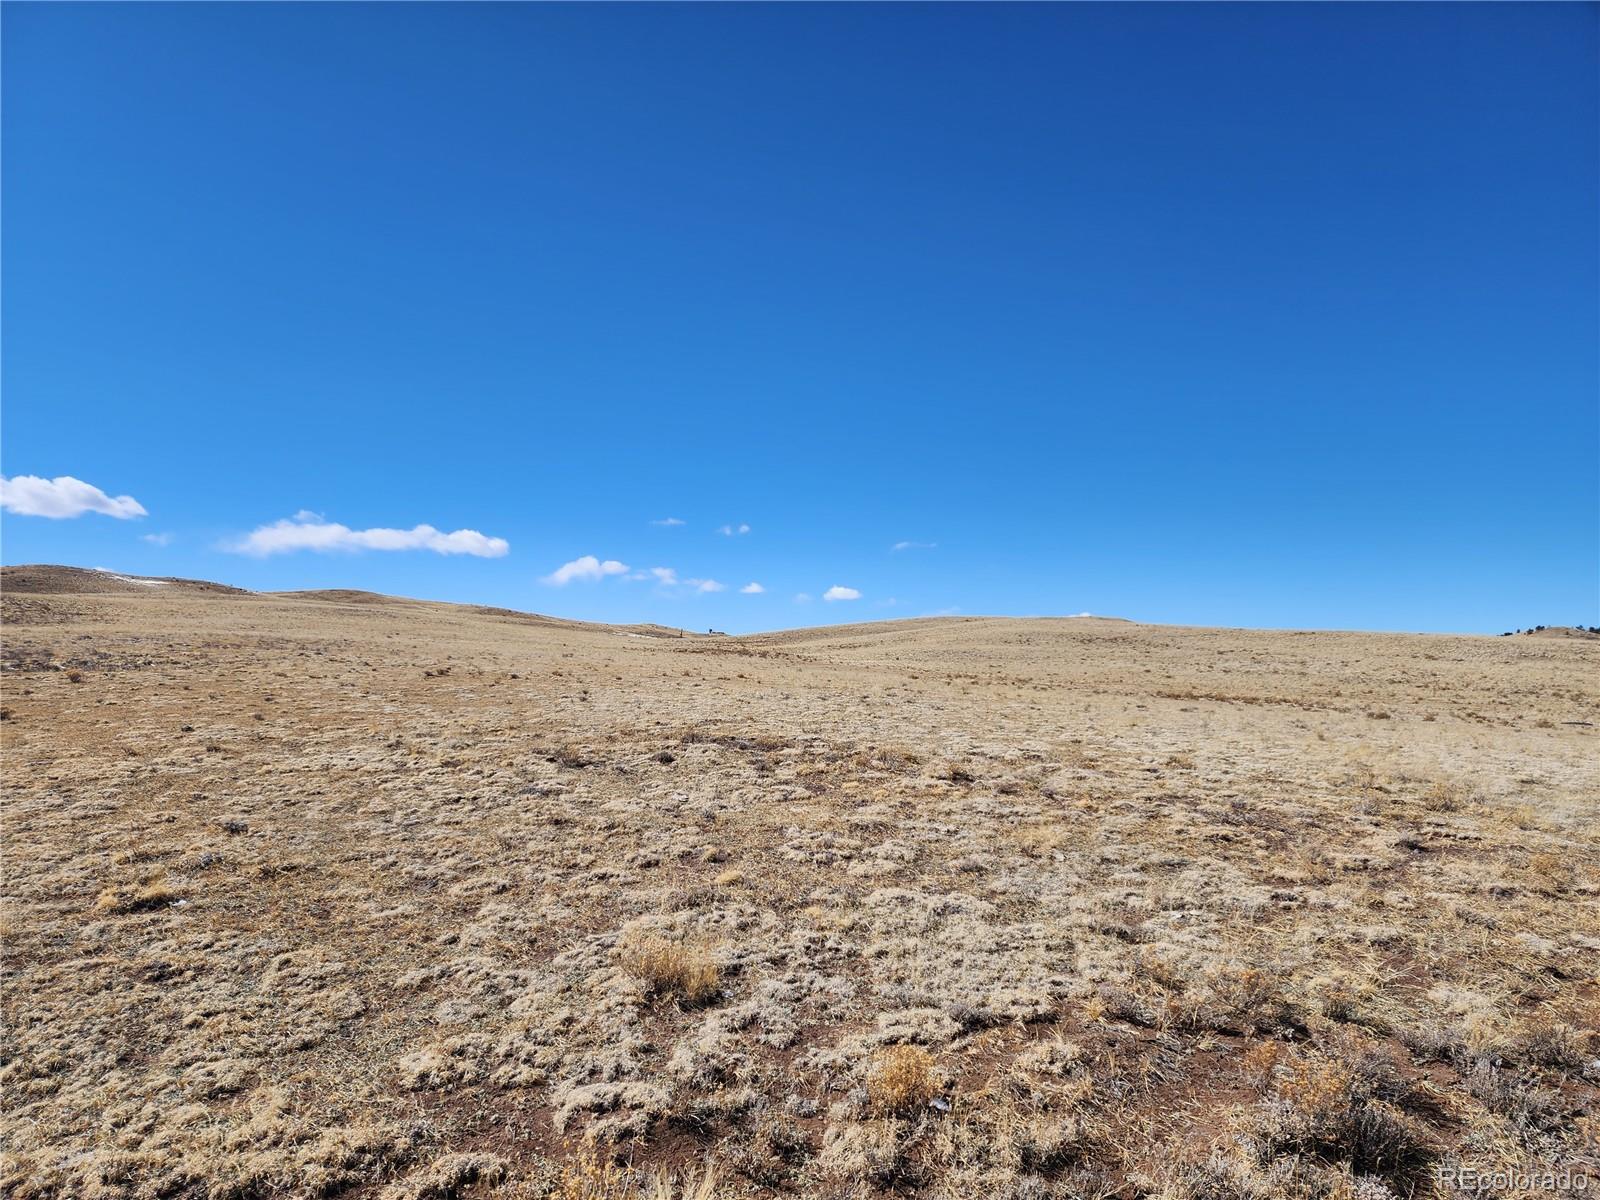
(309, 531)
(752, 589)
(157, 539)
(733, 530)
(899, 546)
(63, 496)
(667, 521)
(667, 578)
(588, 568)
(841, 593)
(802, 598)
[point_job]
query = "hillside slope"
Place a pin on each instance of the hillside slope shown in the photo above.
(312, 896)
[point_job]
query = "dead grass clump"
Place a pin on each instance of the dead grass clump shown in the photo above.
(1259, 1064)
(901, 1080)
(1341, 997)
(875, 1153)
(765, 742)
(1222, 1176)
(669, 968)
(1042, 1146)
(887, 758)
(570, 754)
(449, 1177)
(768, 1157)
(1519, 1097)
(1555, 1044)
(955, 772)
(1331, 1109)
(1247, 1000)
(155, 891)
(590, 1178)
(1040, 839)
(1444, 796)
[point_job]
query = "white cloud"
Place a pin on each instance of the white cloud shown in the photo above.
(802, 598)
(841, 593)
(898, 546)
(752, 589)
(587, 568)
(309, 531)
(157, 539)
(667, 521)
(733, 530)
(667, 577)
(63, 496)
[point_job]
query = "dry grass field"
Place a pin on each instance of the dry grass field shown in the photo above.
(337, 895)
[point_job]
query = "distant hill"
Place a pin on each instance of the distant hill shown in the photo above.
(1557, 631)
(342, 596)
(39, 578)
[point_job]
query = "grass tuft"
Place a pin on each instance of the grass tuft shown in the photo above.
(901, 1080)
(668, 968)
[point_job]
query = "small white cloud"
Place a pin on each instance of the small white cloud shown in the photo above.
(802, 598)
(587, 568)
(752, 589)
(309, 531)
(63, 496)
(898, 546)
(667, 521)
(157, 539)
(841, 593)
(667, 577)
(889, 603)
(733, 530)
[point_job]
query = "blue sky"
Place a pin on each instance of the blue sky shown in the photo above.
(1240, 315)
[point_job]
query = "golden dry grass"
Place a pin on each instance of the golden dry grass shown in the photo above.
(343, 896)
(901, 1080)
(671, 968)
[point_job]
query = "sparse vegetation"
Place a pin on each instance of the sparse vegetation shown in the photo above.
(672, 968)
(901, 1081)
(156, 891)
(938, 909)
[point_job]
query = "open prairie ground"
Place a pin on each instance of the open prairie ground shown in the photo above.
(336, 895)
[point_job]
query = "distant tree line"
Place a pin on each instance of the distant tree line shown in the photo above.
(1541, 628)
